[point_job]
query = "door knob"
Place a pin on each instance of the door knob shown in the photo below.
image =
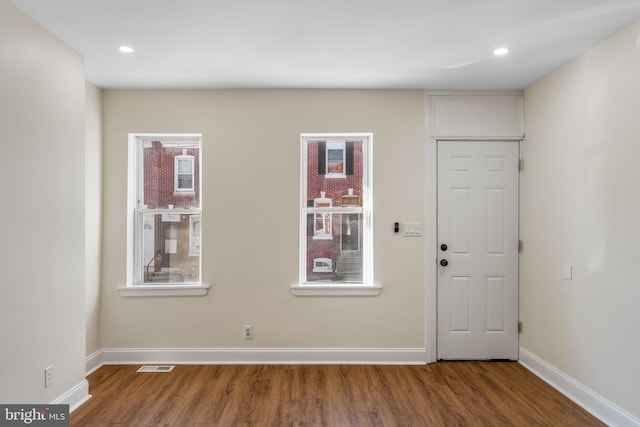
(444, 262)
(443, 247)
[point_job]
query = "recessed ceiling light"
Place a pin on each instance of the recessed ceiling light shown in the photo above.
(501, 51)
(125, 49)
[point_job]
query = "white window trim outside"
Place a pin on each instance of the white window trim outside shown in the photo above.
(134, 286)
(163, 290)
(176, 174)
(325, 290)
(367, 287)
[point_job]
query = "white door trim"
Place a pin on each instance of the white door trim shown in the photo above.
(431, 236)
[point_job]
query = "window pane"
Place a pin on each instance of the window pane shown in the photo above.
(335, 161)
(159, 174)
(336, 246)
(169, 251)
(185, 181)
(336, 172)
(184, 166)
(337, 258)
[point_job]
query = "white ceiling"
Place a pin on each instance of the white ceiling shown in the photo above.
(430, 44)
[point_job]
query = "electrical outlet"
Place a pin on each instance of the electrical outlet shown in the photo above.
(48, 376)
(248, 332)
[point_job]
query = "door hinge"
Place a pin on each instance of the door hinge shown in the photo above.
(520, 245)
(520, 326)
(520, 165)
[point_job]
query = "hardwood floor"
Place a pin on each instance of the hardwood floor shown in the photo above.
(439, 394)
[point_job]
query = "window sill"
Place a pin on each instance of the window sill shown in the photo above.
(163, 290)
(335, 290)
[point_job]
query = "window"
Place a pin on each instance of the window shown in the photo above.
(322, 223)
(184, 172)
(335, 155)
(336, 251)
(164, 209)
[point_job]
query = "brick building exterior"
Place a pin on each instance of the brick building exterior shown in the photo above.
(159, 177)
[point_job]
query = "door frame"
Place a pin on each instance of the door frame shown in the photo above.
(431, 239)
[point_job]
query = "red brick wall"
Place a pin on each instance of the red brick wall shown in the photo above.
(159, 188)
(334, 187)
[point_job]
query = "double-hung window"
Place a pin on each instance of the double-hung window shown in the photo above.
(164, 215)
(336, 242)
(184, 172)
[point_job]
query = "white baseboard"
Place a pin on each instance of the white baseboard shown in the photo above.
(202, 356)
(605, 410)
(93, 362)
(74, 397)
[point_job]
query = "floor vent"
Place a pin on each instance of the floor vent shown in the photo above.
(156, 368)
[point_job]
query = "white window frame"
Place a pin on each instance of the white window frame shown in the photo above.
(367, 287)
(135, 286)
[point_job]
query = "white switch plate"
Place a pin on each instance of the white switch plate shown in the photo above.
(567, 272)
(412, 229)
(48, 376)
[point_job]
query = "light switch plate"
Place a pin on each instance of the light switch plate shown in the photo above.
(567, 272)
(412, 229)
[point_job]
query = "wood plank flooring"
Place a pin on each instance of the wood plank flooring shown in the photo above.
(439, 394)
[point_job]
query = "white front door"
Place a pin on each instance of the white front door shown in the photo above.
(478, 250)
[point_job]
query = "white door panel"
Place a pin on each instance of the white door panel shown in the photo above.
(478, 222)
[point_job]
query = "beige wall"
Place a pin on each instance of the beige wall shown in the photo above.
(93, 213)
(581, 206)
(251, 172)
(42, 255)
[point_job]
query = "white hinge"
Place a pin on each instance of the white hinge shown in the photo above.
(520, 245)
(520, 165)
(520, 327)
